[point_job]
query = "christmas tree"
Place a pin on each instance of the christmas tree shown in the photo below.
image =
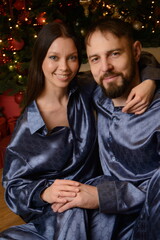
(21, 20)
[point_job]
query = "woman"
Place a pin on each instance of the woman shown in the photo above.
(53, 147)
(55, 137)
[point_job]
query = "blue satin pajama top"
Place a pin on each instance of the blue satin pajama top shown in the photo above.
(129, 147)
(34, 158)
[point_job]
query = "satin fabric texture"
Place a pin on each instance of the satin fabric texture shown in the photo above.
(35, 158)
(130, 158)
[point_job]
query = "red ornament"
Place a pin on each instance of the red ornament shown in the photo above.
(18, 97)
(16, 45)
(157, 11)
(21, 69)
(3, 127)
(12, 123)
(19, 4)
(41, 19)
(2, 11)
(58, 20)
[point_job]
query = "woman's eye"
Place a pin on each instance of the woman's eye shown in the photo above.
(73, 58)
(53, 57)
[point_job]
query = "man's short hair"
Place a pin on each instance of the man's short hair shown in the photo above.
(115, 26)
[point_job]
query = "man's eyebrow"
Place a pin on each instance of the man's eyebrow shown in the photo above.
(94, 55)
(107, 52)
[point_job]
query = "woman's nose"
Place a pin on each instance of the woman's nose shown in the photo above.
(63, 65)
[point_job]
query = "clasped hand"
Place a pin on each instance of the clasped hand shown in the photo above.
(66, 194)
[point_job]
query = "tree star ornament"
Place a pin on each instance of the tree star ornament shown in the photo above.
(85, 4)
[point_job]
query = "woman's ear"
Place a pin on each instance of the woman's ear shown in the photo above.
(137, 46)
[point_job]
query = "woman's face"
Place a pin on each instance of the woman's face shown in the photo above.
(60, 64)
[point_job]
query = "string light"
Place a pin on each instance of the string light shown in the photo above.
(11, 67)
(105, 14)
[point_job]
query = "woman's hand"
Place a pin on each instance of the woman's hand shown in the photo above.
(60, 189)
(86, 198)
(140, 97)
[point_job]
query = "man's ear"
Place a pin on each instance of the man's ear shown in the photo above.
(137, 50)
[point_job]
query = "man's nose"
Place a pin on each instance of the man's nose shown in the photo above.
(106, 65)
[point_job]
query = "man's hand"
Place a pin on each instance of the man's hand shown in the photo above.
(60, 189)
(140, 97)
(86, 198)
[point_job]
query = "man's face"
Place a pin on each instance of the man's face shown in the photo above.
(112, 62)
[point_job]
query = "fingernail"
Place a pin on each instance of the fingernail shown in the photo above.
(77, 184)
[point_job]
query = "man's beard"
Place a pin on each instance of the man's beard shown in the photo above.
(114, 91)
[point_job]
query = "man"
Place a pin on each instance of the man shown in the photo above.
(128, 143)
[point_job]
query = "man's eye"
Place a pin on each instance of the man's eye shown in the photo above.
(94, 60)
(115, 54)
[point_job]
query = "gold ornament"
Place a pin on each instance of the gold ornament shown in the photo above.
(137, 25)
(116, 14)
(85, 4)
(128, 19)
(93, 8)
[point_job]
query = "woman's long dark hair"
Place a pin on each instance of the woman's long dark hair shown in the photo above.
(46, 36)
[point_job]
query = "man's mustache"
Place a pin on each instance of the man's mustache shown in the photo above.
(109, 74)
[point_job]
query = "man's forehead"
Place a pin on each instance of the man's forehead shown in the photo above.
(98, 35)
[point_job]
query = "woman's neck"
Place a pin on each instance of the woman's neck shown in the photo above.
(53, 97)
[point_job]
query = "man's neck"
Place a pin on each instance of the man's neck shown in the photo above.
(119, 102)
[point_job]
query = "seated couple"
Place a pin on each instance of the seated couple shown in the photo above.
(69, 174)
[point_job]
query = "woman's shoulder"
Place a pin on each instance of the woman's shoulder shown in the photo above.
(23, 118)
